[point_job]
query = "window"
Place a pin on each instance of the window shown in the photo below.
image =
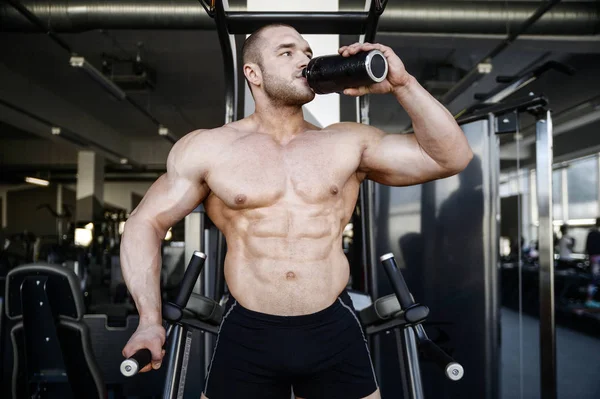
(582, 179)
(557, 195)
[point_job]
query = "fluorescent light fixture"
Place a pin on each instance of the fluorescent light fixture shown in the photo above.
(109, 85)
(123, 161)
(89, 226)
(163, 131)
(56, 131)
(484, 68)
(35, 180)
(581, 222)
(83, 237)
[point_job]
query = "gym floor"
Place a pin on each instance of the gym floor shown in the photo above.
(577, 357)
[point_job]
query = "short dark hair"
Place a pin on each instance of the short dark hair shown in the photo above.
(597, 222)
(251, 47)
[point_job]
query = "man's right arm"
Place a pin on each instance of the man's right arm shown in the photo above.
(173, 196)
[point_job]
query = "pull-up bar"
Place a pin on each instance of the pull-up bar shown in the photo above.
(342, 23)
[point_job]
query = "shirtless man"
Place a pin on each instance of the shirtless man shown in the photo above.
(282, 190)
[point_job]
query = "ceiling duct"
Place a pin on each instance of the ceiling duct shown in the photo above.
(457, 17)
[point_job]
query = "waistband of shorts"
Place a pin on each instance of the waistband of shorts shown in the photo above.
(312, 318)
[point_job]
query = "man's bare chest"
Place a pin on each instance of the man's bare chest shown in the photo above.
(255, 173)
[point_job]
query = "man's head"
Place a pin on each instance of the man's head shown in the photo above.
(598, 222)
(564, 229)
(273, 58)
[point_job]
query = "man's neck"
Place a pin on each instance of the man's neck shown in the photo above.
(282, 123)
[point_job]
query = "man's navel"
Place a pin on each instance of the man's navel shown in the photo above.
(290, 276)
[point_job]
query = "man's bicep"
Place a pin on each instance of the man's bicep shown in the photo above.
(169, 200)
(398, 160)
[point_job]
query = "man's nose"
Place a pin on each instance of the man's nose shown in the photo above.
(304, 61)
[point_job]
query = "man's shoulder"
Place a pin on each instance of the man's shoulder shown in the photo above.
(206, 139)
(219, 134)
(358, 131)
(351, 128)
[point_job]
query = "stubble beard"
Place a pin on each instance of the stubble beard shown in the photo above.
(282, 93)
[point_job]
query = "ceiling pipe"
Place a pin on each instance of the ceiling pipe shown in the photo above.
(453, 17)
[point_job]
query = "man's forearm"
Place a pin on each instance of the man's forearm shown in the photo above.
(141, 264)
(435, 128)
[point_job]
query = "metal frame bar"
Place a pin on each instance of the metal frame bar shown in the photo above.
(491, 177)
(228, 50)
(598, 188)
(548, 381)
(518, 105)
(367, 194)
(174, 360)
(564, 195)
(343, 23)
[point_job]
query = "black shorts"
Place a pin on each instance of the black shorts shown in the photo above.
(320, 355)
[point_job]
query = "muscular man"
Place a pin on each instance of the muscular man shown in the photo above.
(282, 190)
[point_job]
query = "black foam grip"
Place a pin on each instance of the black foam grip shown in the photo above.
(189, 279)
(143, 357)
(435, 353)
(398, 283)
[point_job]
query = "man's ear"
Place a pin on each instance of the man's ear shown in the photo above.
(253, 73)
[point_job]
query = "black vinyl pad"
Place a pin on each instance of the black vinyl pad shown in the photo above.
(381, 310)
(205, 309)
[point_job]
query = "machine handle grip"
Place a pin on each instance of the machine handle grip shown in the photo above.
(132, 365)
(453, 370)
(189, 279)
(397, 281)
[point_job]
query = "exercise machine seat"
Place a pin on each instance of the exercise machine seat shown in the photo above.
(381, 310)
(205, 309)
(53, 356)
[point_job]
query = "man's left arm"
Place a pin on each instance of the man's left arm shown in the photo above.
(438, 147)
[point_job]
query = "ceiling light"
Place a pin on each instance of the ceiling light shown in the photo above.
(35, 180)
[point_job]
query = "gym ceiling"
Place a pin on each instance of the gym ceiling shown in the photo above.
(181, 81)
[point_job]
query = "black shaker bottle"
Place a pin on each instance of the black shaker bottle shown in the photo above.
(334, 73)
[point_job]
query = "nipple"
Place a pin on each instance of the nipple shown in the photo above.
(334, 190)
(290, 275)
(240, 199)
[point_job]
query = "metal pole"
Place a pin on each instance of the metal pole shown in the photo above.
(59, 212)
(413, 369)
(491, 172)
(367, 191)
(368, 226)
(544, 156)
(403, 361)
(173, 369)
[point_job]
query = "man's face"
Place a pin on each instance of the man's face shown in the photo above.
(284, 55)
